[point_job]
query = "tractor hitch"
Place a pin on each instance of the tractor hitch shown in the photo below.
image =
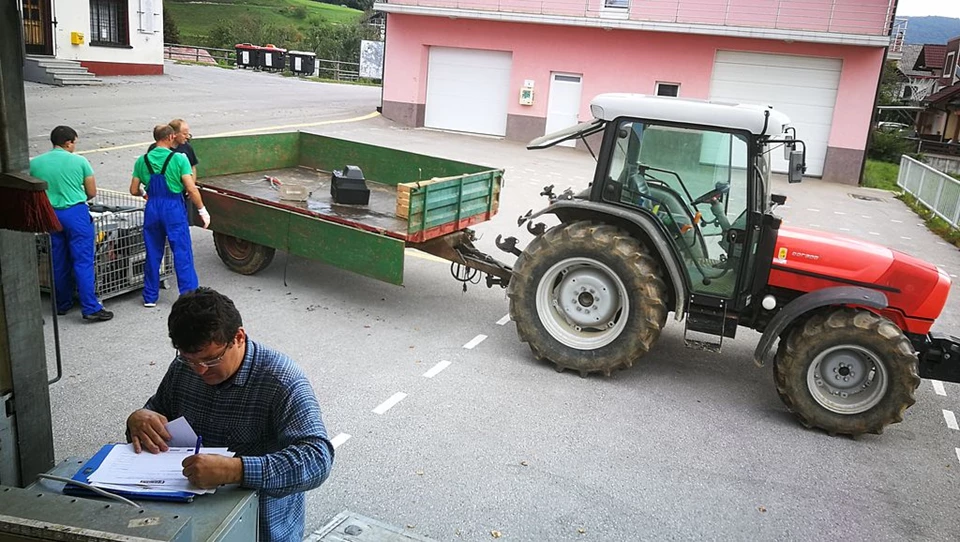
(940, 357)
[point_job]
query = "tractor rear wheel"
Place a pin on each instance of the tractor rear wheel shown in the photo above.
(242, 256)
(847, 371)
(587, 297)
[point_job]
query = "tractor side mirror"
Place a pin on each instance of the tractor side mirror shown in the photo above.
(796, 167)
(788, 147)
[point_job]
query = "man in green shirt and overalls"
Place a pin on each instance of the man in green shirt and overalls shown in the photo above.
(167, 178)
(70, 184)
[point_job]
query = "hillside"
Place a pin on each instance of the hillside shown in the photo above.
(197, 19)
(922, 30)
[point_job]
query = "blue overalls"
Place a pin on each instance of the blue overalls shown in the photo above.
(73, 254)
(165, 218)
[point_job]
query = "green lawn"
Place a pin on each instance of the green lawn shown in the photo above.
(881, 175)
(196, 20)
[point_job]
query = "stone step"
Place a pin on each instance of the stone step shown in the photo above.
(64, 80)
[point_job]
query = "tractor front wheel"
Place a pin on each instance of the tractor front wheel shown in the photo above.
(242, 256)
(847, 371)
(587, 297)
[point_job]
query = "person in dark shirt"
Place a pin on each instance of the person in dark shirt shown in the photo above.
(181, 132)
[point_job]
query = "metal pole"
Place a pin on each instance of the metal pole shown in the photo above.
(23, 363)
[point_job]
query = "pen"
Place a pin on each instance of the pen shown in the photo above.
(197, 449)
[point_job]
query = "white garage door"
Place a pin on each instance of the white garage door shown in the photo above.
(468, 90)
(805, 88)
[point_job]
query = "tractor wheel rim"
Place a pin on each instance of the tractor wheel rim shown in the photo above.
(847, 379)
(582, 303)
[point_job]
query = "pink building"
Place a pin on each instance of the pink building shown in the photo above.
(520, 68)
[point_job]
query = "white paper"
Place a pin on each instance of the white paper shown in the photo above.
(145, 472)
(181, 433)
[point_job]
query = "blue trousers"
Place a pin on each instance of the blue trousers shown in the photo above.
(73, 256)
(165, 219)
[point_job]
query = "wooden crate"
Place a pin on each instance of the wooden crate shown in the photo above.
(407, 190)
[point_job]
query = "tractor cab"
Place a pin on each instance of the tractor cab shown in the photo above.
(698, 172)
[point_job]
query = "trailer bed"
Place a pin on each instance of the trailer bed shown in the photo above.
(379, 216)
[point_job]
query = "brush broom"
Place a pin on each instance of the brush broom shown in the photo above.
(24, 205)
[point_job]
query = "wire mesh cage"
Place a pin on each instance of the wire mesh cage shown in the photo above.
(120, 253)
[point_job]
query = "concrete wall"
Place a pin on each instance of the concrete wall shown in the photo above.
(143, 56)
(867, 17)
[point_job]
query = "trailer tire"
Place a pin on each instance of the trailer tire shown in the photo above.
(847, 371)
(604, 322)
(242, 256)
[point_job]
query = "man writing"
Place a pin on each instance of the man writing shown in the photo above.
(167, 176)
(239, 394)
(70, 183)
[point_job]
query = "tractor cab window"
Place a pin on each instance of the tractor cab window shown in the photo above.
(693, 181)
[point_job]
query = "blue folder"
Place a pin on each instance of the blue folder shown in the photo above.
(91, 466)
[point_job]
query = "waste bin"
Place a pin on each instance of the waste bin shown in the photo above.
(302, 62)
(272, 58)
(247, 55)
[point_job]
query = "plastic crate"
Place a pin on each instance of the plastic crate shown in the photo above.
(120, 253)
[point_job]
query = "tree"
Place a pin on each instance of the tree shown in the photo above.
(171, 33)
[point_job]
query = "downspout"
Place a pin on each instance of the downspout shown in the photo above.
(876, 96)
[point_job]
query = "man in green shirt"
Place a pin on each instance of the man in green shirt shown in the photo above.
(167, 177)
(70, 183)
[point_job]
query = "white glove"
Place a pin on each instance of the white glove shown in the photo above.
(204, 216)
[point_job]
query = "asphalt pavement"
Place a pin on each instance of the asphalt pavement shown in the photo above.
(445, 424)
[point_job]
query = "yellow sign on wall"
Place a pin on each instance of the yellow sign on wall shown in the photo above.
(76, 38)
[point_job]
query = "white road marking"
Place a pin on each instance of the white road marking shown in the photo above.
(896, 221)
(951, 419)
(844, 229)
(865, 216)
(390, 403)
(953, 276)
(503, 321)
(436, 369)
(339, 439)
(814, 225)
(104, 130)
(475, 341)
(874, 233)
(938, 387)
(905, 238)
(839, 213)
(814, 210)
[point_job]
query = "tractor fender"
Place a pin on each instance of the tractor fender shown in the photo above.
(837, 295)
(572, 209)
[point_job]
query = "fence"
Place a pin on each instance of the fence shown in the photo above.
(325, 69)
(935, 190)
(939, 147)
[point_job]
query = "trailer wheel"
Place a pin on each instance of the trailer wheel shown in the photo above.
(847, 371)
(242, 256)
(587, 297)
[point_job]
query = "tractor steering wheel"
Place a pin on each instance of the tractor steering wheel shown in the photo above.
(714, 195)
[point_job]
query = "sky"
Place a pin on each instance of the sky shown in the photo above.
(943, 8)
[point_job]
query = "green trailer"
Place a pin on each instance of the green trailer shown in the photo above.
(250, 185)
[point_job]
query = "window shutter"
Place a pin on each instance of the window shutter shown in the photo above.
(147, 17)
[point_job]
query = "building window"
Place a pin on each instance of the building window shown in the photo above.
(668, 89)
(108, 22)
(948, 66)
(616, 4)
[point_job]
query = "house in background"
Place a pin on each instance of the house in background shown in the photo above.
(940, 121)
(463, 65)
(65, 39)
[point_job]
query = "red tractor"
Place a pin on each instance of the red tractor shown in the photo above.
(679, 218)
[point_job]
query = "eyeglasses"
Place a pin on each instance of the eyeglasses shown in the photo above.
(205, 364)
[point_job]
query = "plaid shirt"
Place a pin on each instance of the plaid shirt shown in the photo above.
(268, 414)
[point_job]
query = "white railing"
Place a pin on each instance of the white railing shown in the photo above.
(864, 17)
(934, 189)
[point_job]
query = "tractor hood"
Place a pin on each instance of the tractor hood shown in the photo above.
(808, 260)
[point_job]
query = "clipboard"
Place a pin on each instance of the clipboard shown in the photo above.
(91, 466)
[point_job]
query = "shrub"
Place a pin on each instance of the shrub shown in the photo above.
(889, 147)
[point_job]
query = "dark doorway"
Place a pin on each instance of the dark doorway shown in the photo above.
(37, 27)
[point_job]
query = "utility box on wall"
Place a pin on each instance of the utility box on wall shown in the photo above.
(76, 38)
